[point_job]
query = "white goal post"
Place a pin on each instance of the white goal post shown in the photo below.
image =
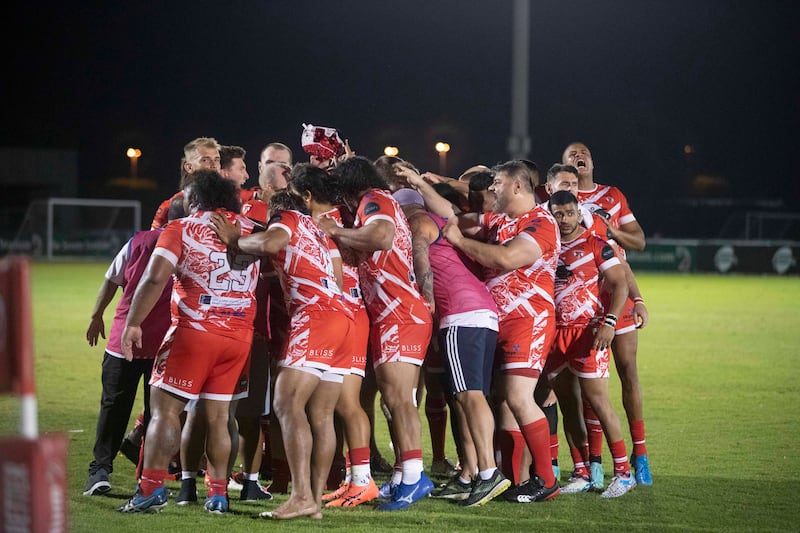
(77, 227)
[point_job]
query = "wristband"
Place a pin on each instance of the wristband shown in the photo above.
(610, 320)
(638, 300)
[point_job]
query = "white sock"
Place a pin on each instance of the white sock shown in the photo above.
(487, 474)
(360, 475)
(412, 471)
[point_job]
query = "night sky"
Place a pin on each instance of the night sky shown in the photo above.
(636, 80)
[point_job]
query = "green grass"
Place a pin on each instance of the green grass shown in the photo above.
(718, 365)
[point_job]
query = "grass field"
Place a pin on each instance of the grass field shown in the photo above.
(719, 368)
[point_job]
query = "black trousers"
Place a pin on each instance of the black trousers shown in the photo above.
(120, 380)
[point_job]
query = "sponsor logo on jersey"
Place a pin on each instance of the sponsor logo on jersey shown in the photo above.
(371, 207)
(607, 252)
(179, 382)
(411, 348)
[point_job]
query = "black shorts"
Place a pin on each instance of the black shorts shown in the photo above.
(469, 357)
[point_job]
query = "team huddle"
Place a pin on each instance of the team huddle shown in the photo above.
(287, 300)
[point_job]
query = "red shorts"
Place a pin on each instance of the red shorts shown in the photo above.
(196, 364)
(356, 342)
(317, 343)
(524, 344)
(399, 343)
(434, 360)
(255, 401)
(626, 321)
(572, 349)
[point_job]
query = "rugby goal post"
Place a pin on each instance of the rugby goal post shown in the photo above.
(77, 227)
(33, 468)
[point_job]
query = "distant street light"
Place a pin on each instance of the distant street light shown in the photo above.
(391, 151)
(134, 154)
(442, 148)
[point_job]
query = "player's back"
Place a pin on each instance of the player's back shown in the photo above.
(211, 292)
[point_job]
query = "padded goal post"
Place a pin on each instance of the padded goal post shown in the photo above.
(33, 474)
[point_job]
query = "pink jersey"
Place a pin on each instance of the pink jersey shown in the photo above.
(581, 263)
(526, 291)
(387, 276)
(209, 293)
(351, 287)
(456, 287)
(126, 271)
(305, 266)
(609, 200)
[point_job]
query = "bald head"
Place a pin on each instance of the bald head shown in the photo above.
(273, 177)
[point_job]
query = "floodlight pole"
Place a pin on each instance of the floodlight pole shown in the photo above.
(519, 142)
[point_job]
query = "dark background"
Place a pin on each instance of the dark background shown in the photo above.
(636, 80)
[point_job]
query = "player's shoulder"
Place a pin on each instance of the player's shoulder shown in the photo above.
(378, 202)
(610, 190)
(603, 249)
(538, 217)
(255, 210)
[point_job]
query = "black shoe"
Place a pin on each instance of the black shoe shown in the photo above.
(130, 451)
(532, 491)
(253, 491)
(378, 464)
(188, 493)
(97, 484)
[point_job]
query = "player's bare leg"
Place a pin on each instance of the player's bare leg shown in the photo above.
(624, 349)
(293, 388)
(320, 415)
(218, 440)
(164, 430)
(397, 382)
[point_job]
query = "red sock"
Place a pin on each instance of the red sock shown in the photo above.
(537, 437)
(152, 479)
(436, 413)
(511, 444)
(580, 462)
(554, 448)
(595, 431)
(637, 435)
(620, 455)
(358, 456)
(217, 486)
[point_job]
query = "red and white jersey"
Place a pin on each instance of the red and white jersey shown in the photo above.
(526, 291)
(596, 224)
(350, 286)
(387, 276)
(255, 210)
(209, 293)
(246, 195)
(161, 217)
(581, 264)
(305, 266)
(610, 200)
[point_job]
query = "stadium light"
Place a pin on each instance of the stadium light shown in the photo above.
(442, 148)
(134, 154)
(391, 151)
